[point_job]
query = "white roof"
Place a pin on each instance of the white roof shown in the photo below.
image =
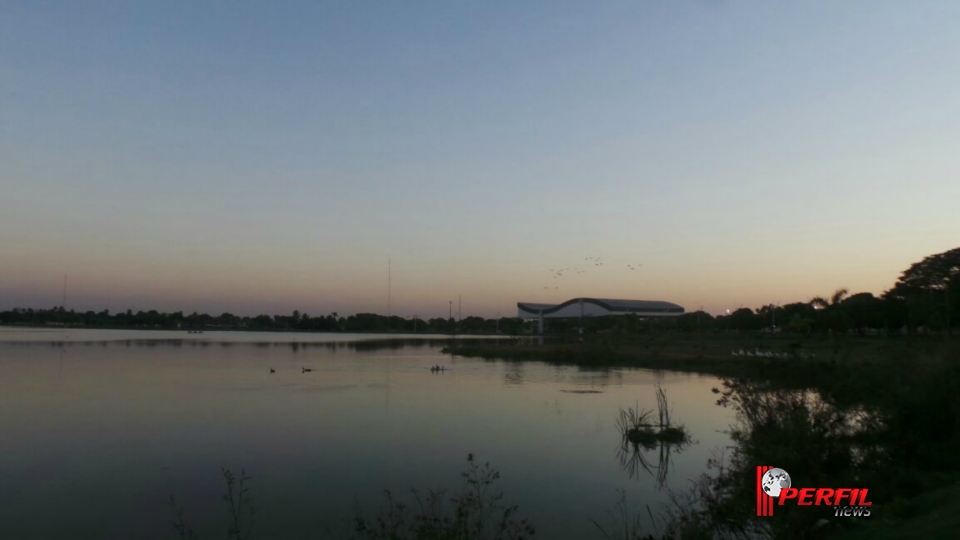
(612, 305)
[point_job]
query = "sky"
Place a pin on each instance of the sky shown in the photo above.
(261, 157)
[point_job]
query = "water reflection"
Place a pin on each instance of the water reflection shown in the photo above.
(112, 428)
(368, 345)
(634, 458)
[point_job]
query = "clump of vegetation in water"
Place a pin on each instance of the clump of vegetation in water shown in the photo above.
(639, 427)
(635, 425)
(642, 432)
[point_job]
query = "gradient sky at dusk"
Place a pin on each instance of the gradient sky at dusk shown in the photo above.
(270, 156)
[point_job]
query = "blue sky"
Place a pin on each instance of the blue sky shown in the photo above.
(254, 157)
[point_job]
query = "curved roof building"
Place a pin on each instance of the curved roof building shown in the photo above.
(598, 307)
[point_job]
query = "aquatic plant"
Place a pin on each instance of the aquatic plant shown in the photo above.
(476, 513)
(635, 426)
(627, 524)
(240, 505)
(240, 509)
(184, 532)
(639, 435)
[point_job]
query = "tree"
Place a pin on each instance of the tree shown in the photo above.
(695, 321)
(831, 316)
(836, 298)
(931, 289)
(744, 319)
(865, 311)
(936, 272)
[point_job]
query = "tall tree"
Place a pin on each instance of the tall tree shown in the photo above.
(931, 289)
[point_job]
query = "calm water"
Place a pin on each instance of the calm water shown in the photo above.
(99, 428)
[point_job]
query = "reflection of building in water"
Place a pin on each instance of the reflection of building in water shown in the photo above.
(596, 307)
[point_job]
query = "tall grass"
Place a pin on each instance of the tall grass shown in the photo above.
(476, 512)
(240, 505)
(627, 523)
(640, 433)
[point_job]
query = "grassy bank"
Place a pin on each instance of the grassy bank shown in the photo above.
(726, 355)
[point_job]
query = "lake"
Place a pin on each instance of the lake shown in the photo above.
(98, 428)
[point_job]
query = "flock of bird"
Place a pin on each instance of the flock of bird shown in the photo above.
(770, 354)
(595, 261)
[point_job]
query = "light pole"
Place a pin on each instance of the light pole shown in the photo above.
(497, 330)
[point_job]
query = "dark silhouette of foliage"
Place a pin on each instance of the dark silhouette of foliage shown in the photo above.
(476, 513)
(931, 290)
(297, 322)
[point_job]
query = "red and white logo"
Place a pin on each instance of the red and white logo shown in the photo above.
(775, 484)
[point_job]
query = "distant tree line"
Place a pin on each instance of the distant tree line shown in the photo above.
(926, 299)
(295, 322)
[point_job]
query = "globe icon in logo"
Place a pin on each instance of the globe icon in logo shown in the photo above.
(774, 480)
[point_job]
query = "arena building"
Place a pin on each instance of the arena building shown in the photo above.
(596, 307)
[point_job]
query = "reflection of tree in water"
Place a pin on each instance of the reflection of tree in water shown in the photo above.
(294, 345)
(816, 442)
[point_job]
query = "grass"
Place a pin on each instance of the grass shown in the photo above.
(638, 426)
(669, 356)
(240, 509)
(626, 522)
(641, 432)
(476, 512)
(711, 353)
